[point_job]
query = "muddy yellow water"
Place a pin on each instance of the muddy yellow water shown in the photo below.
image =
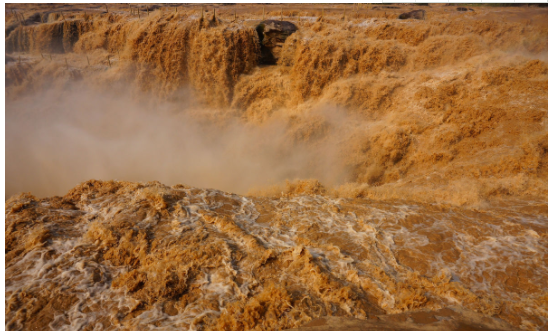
(383, 174)
(117, 255)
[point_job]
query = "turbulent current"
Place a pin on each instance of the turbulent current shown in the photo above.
(142, 256)
(383, 174)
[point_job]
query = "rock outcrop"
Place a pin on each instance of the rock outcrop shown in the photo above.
(415, 14)
(272, 34)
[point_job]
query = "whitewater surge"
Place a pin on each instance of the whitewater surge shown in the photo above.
(120, 255)
(450, 109)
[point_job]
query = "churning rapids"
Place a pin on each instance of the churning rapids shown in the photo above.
(137, 256)
(386, 174)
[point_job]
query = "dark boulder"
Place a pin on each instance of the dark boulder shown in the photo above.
(150, 8)
(415, 14)
(385, 7)
(464, 9)
(272, 35)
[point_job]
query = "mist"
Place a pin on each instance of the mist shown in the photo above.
(58, 139)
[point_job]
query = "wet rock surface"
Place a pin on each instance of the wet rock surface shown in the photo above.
(415, 14)
(272, 34)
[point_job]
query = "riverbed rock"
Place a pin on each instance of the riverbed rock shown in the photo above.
(415, 14)
(272, 34)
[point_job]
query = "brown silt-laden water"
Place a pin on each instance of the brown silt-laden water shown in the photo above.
(189, 168)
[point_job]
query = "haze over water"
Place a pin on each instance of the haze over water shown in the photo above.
(382, 169)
